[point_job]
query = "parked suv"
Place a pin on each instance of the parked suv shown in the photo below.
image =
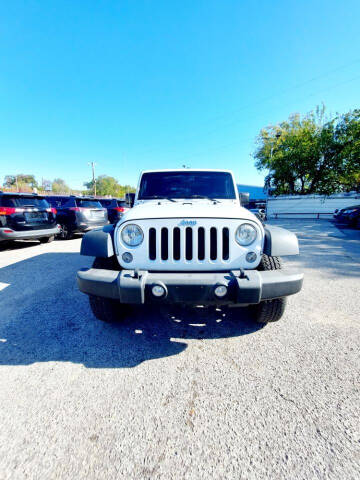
(115, 208)
(188, 241)
(25, 216)
(78, 214)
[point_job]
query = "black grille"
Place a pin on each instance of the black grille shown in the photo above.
(176, 243)
(218, 246)
(164, 244)
(201, 243)
(152, 244)
(188, 243)
(213, 243)
(225, 243)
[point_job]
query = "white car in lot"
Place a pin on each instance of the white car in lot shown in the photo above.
(189, 241)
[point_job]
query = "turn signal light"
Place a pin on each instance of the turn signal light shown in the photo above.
(158, 291)
(220, 291)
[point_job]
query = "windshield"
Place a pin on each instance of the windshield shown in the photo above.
(186, 185)
(88, 203)
(21, 201)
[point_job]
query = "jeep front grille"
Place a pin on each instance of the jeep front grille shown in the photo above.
(189, 243)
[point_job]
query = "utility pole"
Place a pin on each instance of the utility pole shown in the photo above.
(93, 175)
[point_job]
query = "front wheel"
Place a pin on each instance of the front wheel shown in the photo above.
(65, 233)
(268, 311)
(106, 309)
(47, 239)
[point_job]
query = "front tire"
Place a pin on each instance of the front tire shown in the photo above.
(65, 232)
(47, 239)
(269, 310)
(107, 309)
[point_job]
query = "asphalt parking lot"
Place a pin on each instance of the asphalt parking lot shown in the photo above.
(180, 394)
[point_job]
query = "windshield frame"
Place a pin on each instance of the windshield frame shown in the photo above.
(231, 193)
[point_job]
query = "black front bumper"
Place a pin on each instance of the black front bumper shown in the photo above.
(243, 288)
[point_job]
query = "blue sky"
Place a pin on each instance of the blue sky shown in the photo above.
(135, 85)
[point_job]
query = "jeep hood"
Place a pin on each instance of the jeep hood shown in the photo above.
(183, 210)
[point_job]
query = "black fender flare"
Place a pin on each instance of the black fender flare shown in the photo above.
(98, 242)
(279, 242)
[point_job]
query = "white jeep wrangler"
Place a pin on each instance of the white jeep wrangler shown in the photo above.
(188, 240)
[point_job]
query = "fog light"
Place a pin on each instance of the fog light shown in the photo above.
(220, 291)
(127, 257)
(251, 257)
(158, 290)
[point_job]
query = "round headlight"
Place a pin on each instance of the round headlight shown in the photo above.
(245, 234)
(132, 235)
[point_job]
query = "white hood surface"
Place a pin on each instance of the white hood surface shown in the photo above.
(188, 209)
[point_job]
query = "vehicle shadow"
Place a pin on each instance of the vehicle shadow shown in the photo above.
(45, 318)
(17, 245)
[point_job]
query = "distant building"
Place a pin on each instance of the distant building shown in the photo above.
(309, 206)
(256, 193)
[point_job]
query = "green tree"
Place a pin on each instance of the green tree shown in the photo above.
(21, 180)
(106, 185)
(311, 154)
(59, 186)
(348, 134)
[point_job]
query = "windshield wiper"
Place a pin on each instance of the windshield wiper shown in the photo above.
(159, 197)
(205, 196)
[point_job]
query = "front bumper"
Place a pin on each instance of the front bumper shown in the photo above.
(9, 234)
(243, 288)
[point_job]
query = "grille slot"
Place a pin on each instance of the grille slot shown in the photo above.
(189, 244)
(176, 243)
(213, 243)
(164, 244)
(225, 243)
(152, 244)
(201, 243)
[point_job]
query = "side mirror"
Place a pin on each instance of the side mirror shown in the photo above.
(244, 198)
(130, 199)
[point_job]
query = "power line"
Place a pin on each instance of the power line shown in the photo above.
(188, 158)
(262, 100)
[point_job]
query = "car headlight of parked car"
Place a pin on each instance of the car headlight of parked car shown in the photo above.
(245, 234)
(132, 235)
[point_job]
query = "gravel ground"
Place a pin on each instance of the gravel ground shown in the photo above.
(180, 394)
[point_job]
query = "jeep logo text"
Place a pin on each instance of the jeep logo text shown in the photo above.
(187, 223)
